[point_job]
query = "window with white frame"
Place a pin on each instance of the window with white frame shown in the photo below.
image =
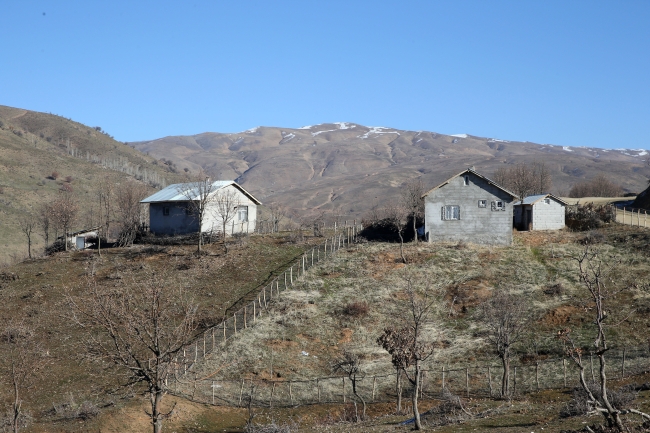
(450, 213)
(242, 213)
(482, 203)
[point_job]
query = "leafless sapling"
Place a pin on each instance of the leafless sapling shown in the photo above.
(505, 318)
(409, 344)
(351, 364)
(138, 329)
(224, 208)
(411, 197)
(27, 226)
(200, 194)
(23, 359)
(396, 215)
(595, 272)
(128, 210)
(64, 213)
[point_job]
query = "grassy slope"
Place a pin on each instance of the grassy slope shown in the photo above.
(217, 282)
(28, 159)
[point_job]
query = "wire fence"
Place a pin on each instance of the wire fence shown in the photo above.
(480, 381)
(247, 315)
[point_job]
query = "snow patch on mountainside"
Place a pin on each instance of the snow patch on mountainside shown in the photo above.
(252, 130)
(459, 135)
(344, 125)
(377, 130)
(567, 148)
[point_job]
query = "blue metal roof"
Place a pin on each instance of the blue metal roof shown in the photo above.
(532, 199)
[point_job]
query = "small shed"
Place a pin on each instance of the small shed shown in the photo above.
(469, 207)
(540, 212)
(170, 210)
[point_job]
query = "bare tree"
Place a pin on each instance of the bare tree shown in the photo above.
(200, 194)
(63, 213)
(140, 331)
(525, 179)
(27, 225)
(599, 186)
(276, 214)
(224, 206)
(24, 358)
(396, 341)
(411, 197)
(542, 181)
(128, 210)
(505, 317)
(105, 196)
(351, 365)
(408, 344)
(594, 272)
(45, 215)
(396, 215)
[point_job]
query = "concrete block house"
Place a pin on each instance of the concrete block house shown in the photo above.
(540, 212)
(170, 213)
(469, 207)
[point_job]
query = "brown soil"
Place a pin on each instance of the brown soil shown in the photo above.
(468, 294)
(562, 315)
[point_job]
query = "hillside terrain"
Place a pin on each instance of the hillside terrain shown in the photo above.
(309, 326)
(346, 168)
(40, 154)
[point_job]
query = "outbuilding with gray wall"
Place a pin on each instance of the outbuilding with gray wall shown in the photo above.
(540, 212)
(469, 207)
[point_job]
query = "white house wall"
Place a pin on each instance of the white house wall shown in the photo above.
(548, 216)
(213, 221)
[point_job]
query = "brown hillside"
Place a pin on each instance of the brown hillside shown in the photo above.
(347, 168)
(34, 145)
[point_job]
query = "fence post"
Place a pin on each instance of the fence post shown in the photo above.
(213, 345)
(564, 367)
(271, 400)
(241, 391)
(204, 344)
(623, 366)
(537, 375)
(467, 380)
(443, 378)
(264, 295)
(374, 385)
(318, 388)
(312, 257)
(490, 380)
(291, 274)
(254, 312)
(591, 361)
(234, 322)
(290, 394)
(343, 387)
(514, 388)
(213, 386)
(196, 351)
(245, 326)
(224, 331)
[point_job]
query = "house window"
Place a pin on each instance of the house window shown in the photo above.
(450, 213)
(482, 203)
(166, 210)
(242, 213)
(498, 205)
(466, 180)
(547, 200)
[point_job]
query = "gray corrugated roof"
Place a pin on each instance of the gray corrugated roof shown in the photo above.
(182, 192)
(532, 199)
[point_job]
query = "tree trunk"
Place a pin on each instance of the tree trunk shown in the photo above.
(17, 403)
(401, 247)
(363, 402)
(614, 415)
(398, 384)
(415, 230)
(416, 389)
(156, 416)
(505, 381)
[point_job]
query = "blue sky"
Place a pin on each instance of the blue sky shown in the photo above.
(574, 73)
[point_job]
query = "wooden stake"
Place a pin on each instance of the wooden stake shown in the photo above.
(564, 368)
(254, 313)
(234, 322)
(291, 274)
(264, 294)
(224, 331)
(213, 386)
(514, 390)
(443, 378)
(318, 388)
(245, 317)
(204, 344)
(623, 366)
(312, 257)
(290, 394)
(490, 380)
(537, 375)
(241, 391)
(467, 380)
(272, 392)
(344, 390)
(374, 386)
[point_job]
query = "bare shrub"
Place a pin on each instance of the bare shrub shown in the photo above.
(356, 309)
(450, 411)
(588, 217)
(54, 175)
(272, 427)
(554, 289)
(599, 186)
(580, 405)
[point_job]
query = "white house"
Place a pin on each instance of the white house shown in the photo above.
(540, 212)
(170, 211)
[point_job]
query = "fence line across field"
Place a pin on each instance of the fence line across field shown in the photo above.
(467, 381)
(636, 217)
(247, 315)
